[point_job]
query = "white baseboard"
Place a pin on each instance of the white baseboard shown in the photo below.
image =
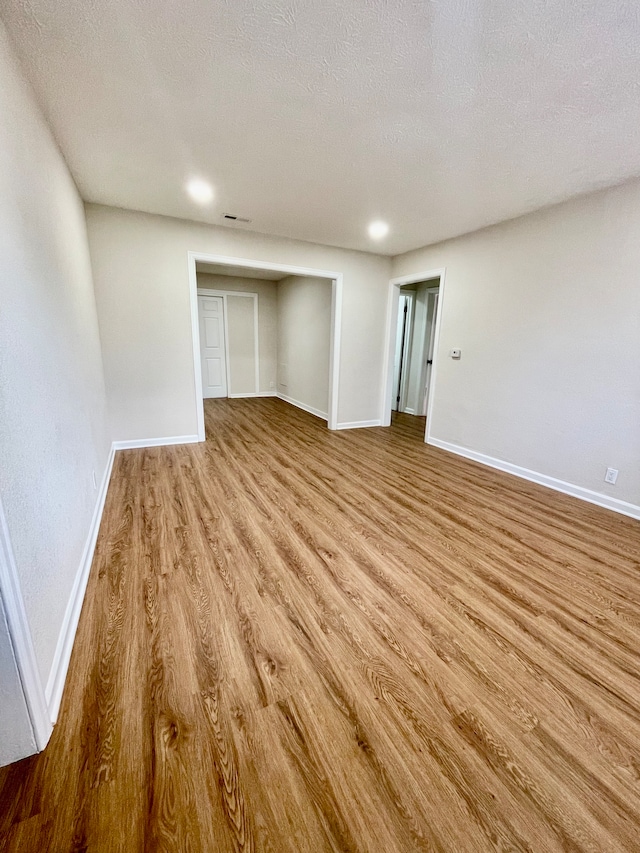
(253, 394)
(303, 406)
(542, 479)
(408, 411)
(58, 674)
(155, 442)
(358, 424)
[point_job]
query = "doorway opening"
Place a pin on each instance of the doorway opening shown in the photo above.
(262, 329)
(414, 324)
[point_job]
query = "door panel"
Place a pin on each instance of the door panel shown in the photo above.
(214, 373)
(212, 331)
(212, 350)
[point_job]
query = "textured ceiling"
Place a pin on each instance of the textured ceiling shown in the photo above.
(312, 117)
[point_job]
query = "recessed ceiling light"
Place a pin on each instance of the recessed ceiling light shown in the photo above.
(200, 191)
(378, 230)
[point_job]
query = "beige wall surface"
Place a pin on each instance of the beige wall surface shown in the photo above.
(242, 354)
(546, 311)
(142, 292)
(52, 396)
(304, 334)
(267, 319)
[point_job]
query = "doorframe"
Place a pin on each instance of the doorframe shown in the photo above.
(208, 291)
(392, 323)
(285, 269)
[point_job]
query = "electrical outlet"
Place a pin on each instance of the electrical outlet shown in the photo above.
(611, 476)
(272, 385)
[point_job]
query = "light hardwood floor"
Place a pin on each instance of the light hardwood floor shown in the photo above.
(297, 640)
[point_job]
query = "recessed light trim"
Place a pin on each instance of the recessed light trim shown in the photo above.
(200, 191)
(378, 230)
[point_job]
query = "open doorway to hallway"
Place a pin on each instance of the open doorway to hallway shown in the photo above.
(413, 354)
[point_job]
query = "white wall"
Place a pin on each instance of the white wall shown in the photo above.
(304, 334)
(546, 310)
(267, 318)
(52, 396)
(142, 291)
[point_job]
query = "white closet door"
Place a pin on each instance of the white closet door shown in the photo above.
(212, 351)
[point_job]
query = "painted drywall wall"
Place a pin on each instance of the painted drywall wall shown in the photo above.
(142, 291)
(241, 344)
(16, 734)
(304, 334)
(546, 311)
(52, 395)
(267, 319)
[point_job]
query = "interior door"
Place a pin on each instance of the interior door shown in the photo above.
(212, 349)
(433, 297)
(403, 350)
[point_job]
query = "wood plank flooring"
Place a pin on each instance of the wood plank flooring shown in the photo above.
(302, 641)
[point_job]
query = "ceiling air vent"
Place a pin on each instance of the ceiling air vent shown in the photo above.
(234, 218)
